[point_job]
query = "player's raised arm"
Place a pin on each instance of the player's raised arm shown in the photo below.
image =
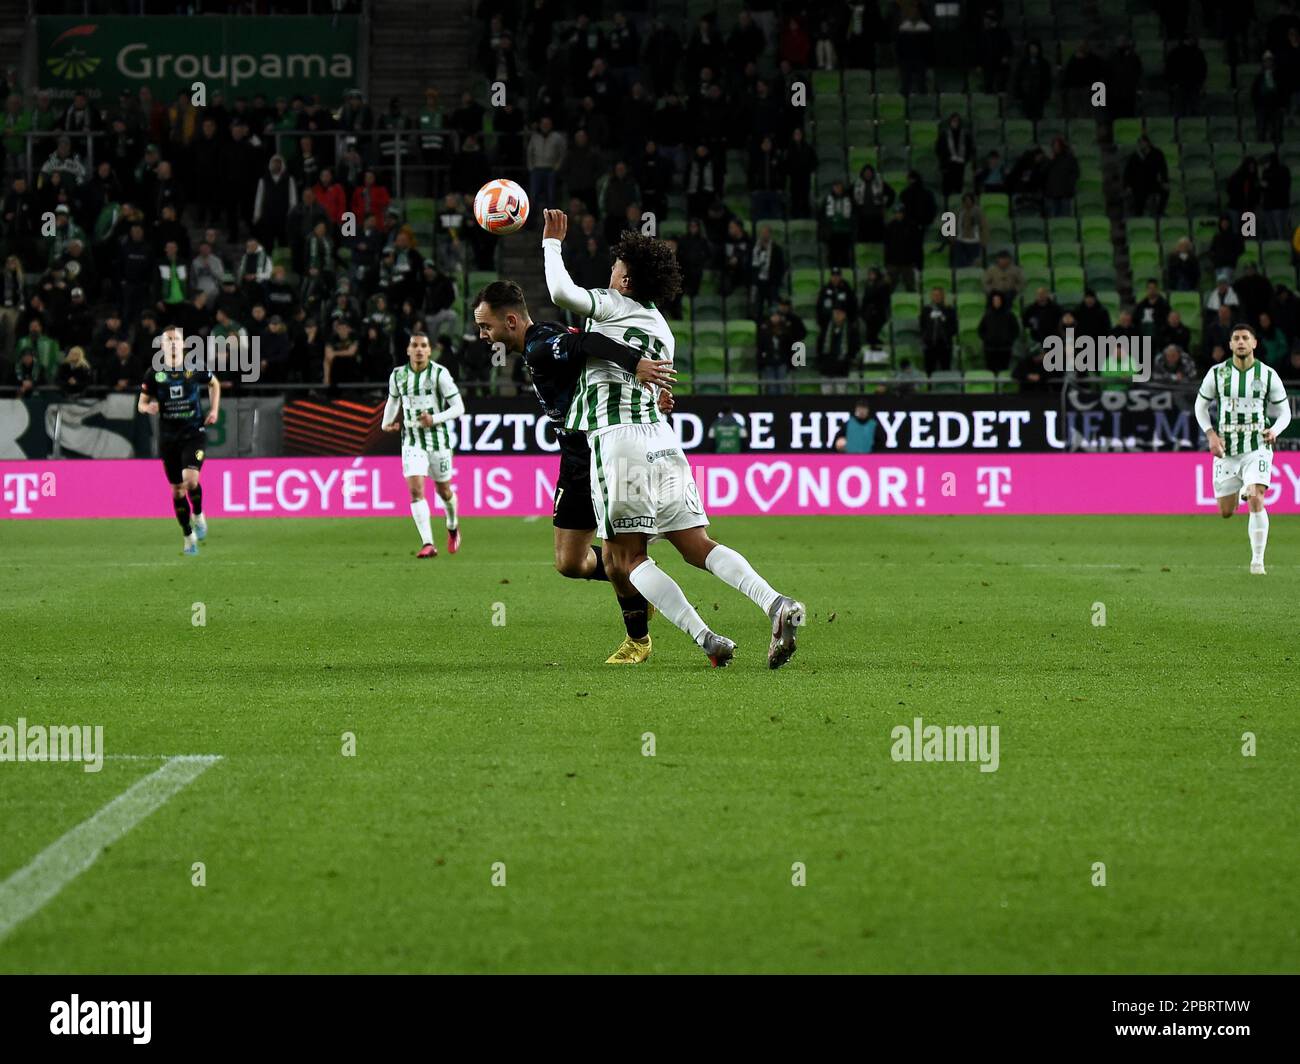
(564, 293)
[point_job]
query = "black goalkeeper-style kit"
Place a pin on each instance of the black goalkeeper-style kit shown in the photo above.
(181, 436)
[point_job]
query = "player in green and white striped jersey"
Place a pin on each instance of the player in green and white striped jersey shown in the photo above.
(1245, 390)
(641, 483)
(424, 393)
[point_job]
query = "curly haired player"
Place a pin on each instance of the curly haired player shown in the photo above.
(641, 483)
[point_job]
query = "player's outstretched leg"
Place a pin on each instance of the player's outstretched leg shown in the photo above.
(448, 496)
(181, 505)
(731, 567)
(1257, 526)
(195, 491)
(661, 589)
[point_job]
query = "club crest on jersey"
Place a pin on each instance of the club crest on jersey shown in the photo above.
(198, 456)
(160, 376)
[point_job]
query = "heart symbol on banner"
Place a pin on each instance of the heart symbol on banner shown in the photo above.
(780, 470)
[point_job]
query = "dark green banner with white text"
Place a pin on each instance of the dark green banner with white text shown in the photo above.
(277, 56)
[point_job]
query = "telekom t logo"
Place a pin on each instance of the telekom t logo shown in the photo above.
(994, 482)
(20, 489)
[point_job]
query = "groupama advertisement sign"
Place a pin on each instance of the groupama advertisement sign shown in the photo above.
(241, 56)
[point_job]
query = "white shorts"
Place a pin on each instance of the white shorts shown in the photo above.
(641, 482)
(1242, 470)
(422, 462)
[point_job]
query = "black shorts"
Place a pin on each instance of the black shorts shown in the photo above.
(573, 509)
(181, 453)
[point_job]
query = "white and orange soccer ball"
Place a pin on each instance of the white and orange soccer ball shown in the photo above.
(501, 207)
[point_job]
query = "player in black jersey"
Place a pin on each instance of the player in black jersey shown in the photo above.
(555, 355)
(175, 394)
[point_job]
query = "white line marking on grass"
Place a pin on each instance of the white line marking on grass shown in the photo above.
(31, 887)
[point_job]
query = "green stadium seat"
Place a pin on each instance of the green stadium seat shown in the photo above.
(1066, 253)
(826, 83)
(995, 205)
(1031, 255)
(1141, 230)
(1062, 229)
(980, 382)
(741, 336)
(969, 279)
(891, 108)
(1095, 228)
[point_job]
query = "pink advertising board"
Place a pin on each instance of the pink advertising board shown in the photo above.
(730, 485)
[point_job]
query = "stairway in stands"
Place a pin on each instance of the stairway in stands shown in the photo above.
(415, 44)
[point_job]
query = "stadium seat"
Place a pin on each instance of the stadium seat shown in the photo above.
(741, 337)
(1095, 228)
(980, 381)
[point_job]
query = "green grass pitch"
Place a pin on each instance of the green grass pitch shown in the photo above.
(479, 743)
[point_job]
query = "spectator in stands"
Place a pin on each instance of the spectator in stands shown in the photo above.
(912, 44)
(242, 165)
(173, 278)
(1223, 295)
(1285, 310)
(1244, 189)
(300, 225)
(1091, 316)
(703, 183)
(838, 344)
(766, 180)
(1042, 317)
(1032, 374)
(1032, 84)
(544, 157)
(1275, 196)
(1152, 310)
(1274, 345)
(44, 349)
(794, 45)
(318, 266)
(1174, 366)
(1004, 276)
(1269, 96)
(773, 354)
(938, 331)
(998, 331)
(991, 177)
(694, 254)
(1185, 73)
(254, 271)
(307, 165)
(801, 163)
(918, 200)
(65, 162)
(467, 119)
(28, 374)
(122, 371)
(956, 151)
(13, 298)
(1123, 80)
(1080, 73)
(795, 328)
(21, 220)
(341, 350)
(837, 225)
(1146, 178)
(75, 373)
(903, 249)
(654, 177)
(616, 190)
(1292, 372)
(1026, 181)
(767, 269)
(994, 52)
(1254, 292)
(1060, 180)
(331, 196)
(1182, 269)
(1126, 328)
(1174, 332)
(972, 235)
(872, 196)
(875, 306)
(136, 271)
(736, 260)
(1217, 334)
(835, 294)
(1227, 246)
(581, 168)
(370, 199)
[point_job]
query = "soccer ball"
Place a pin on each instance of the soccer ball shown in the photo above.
(501, 207)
